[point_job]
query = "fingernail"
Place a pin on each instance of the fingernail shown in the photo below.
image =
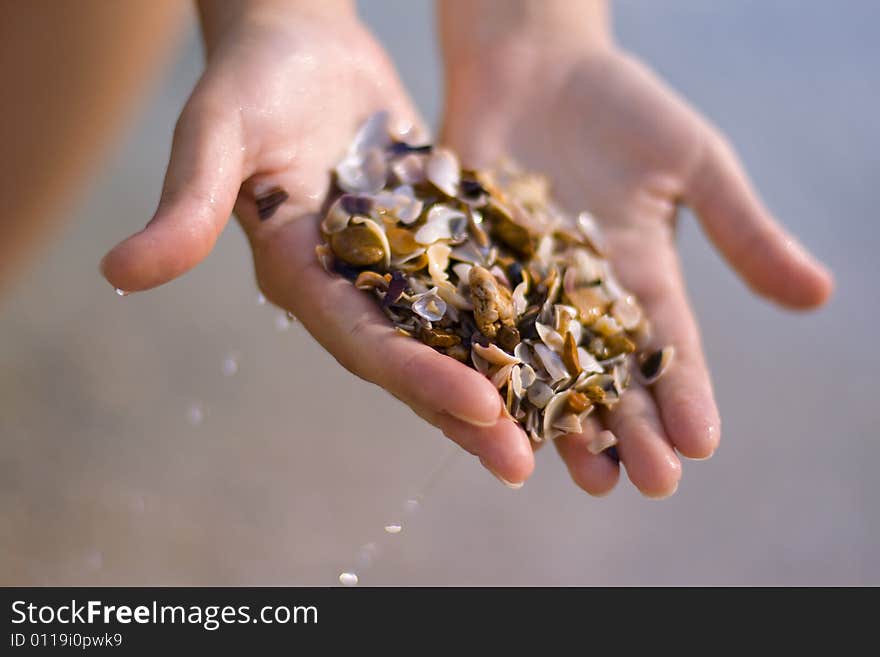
(663, 496)
(504, 481)
(472, 421)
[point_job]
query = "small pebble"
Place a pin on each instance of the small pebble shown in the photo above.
(348, 579)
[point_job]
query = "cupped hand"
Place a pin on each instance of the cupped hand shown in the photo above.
(616, 141)
(276, 108)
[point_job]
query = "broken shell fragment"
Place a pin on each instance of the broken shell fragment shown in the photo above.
(485, 268)
(443, 171)
(652, 366)
(602, 441)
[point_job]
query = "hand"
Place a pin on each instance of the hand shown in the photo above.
(277, 106)
(616, 141)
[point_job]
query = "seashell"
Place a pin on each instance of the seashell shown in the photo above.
(363, 172)
(373, 134)
(502, 374)
(568, 423)
(518, 298)
(361, 244)
(492, 304)
(527, 375)
(379, 233)
(589, 229)
(619, 344)
(627, 312)
(606, 326)
(653, 365)
(556, 408)
(588, 362)
(589, 300)
(549, 337)
(523, 353)
(462, 270)
(494, 355)
(539, 394)
(413, 262)
(401, 203)
(480, 364)
(340, 212)
(429, 305)
(577, 402)
(325, 256)
(396, 288)
(438, 262)
(516, 382)
(552, 363)
(441, 224)
(402, 243)
(369, 280)
(443, 171)
(409, 169)
(459, 352)
(434, 337)
(451, 296)
(500, 276)
(570, 355)
(602, 441)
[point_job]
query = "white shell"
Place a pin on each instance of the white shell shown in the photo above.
(588, 362)
(374, 133)
(539, 394)
(551, 362)
(527, 375)
(438, 261)
(363, 173)
(502, 374)
(429, 305)
(549, 337)
(591, 233)
(627, 312)
(409, 169)
(495, 355)
(602, 441)
(443, 170)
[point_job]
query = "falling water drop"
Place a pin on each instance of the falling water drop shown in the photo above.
(282, 322)
(261, 300)
(230, 365)
(121, 292)
(411, 505)
(195, 414)
(394, 528)
(348, 579)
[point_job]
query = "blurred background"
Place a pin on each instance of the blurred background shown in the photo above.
(189, 435)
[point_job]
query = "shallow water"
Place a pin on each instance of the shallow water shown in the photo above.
(104, 479)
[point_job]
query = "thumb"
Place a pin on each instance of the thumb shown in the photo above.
(768, 258)
(201, 184)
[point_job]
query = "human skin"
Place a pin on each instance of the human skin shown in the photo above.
(546, 84)
(66, 102)
(285, 87)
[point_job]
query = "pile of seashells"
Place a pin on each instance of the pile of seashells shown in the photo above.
(485, 268)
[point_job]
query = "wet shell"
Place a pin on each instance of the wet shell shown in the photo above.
(429, 305)
(438, 262)
(363, 173)
(602, 441)
(552, 363)
(443, 171)
(494, 355)
(409, 169)
(653, 365)
(540, 394)
(369, 280)
(360, 244)
(627, 312)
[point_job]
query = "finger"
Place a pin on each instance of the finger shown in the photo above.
(503, 448)
(650, 461)
(349, 324)
(684, 393)
(201, 184)
(769, 259)
(597, 474)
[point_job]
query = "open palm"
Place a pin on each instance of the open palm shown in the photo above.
(277, 108)
(615, 141)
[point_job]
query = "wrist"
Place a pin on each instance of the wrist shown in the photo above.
(223, 19)
(474, 29)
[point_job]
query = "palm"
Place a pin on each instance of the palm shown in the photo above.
(615, 141)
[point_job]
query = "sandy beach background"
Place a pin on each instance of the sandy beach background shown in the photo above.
(104, 478)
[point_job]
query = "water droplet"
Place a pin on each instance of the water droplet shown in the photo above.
(394, 529)
(282, 322)
(195, 414)
(261, 300)
(121, 292)
(230, 365)
(291, 317)
(348, 579)
(411, 505)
